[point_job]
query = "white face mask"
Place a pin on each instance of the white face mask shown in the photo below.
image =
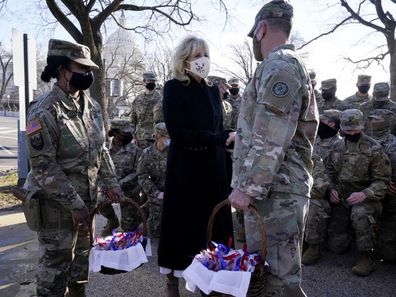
(200, 67)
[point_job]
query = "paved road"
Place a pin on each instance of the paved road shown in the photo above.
(8, 143)
(331, 277)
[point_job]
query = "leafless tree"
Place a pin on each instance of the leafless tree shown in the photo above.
(6, 71)
(83, 19)
(159, 62)
(127, 67)
(242, 61)
(380, 21)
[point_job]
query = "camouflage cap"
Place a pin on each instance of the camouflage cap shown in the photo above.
(234, 81)
(216, 80)
(275, 9)
(149, 76)
(381, 91)
(76, 52)
(160, 129)
(363, 79)
(122, 125)
(328, 84)
(330, 114)
(385, 115)
(351, 119)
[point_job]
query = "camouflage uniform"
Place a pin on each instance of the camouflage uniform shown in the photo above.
(227, 114)
(380, 101)
(65, 139)
(125, 159)
(235, 101)
(272, 156)
(151, 171)
(360, 166)
(142, 114)
(312, 76)
(354, 101)
(333, 103)
(319, 207)
(381, 121)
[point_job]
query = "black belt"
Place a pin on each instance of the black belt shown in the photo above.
(195, 148)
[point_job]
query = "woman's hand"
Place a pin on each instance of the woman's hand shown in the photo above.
(231, 138)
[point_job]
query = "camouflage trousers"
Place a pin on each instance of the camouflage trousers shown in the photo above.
(361, 217)
(283, 215)
(63, 260)
(318, 215)
(154, 219)
(387, 237)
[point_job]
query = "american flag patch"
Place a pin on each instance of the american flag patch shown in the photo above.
(33, 127)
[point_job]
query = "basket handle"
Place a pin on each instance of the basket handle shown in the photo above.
(226, 202)
(108, 202)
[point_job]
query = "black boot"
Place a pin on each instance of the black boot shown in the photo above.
(172, 286)
(76, 290)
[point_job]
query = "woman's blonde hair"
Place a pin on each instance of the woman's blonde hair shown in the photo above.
(186, 47)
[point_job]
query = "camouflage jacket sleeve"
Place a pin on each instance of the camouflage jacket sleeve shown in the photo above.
(107, 170)
(133, 113)
(332, 164)
(274, 124)
(145, 180)
(42, 143)
(321, 179)
(132, 177)
(380, 169)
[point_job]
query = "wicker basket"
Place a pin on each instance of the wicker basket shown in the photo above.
(257, 280)
(106, 270)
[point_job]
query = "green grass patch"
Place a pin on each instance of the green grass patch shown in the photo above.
(7, 182)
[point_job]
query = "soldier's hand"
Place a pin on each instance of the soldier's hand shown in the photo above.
(160, 196)
(81, 218)
(240, 200)
(115, 195)
(356, 198)
(334, 196)
(231, 138)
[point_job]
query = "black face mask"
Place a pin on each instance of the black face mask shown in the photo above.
(325, 131)
(352, 138)
(225, 95)
(150, 86)
(82, 81)
(127, 138)
(364, 89)
(379, 104)
(327, 95)
(234, 91)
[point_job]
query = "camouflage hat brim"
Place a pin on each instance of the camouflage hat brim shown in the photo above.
(351, 127)
(85, 62)
(251, 32)
(380, 98)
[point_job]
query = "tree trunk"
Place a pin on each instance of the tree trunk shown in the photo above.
(392, 70)
(97, 90)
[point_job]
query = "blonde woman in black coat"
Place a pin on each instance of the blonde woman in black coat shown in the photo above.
(196, 178)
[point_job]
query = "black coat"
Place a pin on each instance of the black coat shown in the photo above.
(196, 178)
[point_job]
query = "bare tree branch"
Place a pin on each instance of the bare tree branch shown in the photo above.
(367, 62)
(102, 16)
(327, 33)
(357, 17)
(65, 22)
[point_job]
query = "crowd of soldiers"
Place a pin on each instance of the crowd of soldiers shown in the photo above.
(354, 159)
(353, 197)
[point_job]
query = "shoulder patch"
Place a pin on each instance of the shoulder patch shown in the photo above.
(280, 89)
(37, 141)
(34, 126)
